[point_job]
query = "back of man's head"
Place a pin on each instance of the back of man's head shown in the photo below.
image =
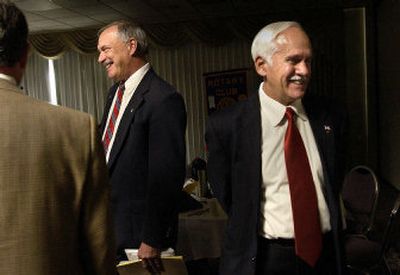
(13, 34)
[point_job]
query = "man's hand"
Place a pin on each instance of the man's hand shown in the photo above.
(151, 258)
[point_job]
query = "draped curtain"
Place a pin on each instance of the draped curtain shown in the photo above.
(211, 31)
(35, 82)
(184, 68)
(81, 83)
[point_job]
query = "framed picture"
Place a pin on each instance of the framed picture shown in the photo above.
(225, 88)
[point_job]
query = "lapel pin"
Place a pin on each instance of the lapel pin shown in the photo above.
(327, 129)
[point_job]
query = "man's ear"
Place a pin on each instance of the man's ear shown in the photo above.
(261, 66)
(132, 47)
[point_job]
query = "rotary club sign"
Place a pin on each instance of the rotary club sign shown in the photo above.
(225, 88)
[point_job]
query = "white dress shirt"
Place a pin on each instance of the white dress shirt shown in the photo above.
(276, 209)
(130, 87)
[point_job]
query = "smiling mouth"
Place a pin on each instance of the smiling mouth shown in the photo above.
(298, 80)
(108, 64)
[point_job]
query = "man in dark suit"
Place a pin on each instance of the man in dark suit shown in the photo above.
(250, 167)
(143, 130)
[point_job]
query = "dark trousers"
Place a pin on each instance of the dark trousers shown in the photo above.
(277, 257)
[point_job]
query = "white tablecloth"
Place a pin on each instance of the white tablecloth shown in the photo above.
(201, 231)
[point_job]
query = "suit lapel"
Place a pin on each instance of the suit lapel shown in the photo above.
(324, 130)
(129, 114)
(317, 115)
(324, 134)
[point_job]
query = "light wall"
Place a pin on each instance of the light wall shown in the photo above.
(184, 68)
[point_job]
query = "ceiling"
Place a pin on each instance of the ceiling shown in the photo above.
(64, 15)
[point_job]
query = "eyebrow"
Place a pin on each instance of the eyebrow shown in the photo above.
(298, 57)
(103, 47)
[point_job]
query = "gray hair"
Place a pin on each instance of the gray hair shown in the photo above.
(267, 39)
(127, 30)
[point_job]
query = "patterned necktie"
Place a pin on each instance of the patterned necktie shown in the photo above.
(307, 228)
(113, 117)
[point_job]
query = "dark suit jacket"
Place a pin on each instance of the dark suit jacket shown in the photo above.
(147, 165)
(234, 171)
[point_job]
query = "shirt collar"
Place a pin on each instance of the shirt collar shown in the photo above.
(8, 78)
(133, 81)
(275, 111)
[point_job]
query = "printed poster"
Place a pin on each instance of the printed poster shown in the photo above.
(225, 88)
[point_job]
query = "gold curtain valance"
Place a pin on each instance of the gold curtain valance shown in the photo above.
(53, 45)
(172, 35)
(211, 31)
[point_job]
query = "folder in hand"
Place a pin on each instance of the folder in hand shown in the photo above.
(173, 265)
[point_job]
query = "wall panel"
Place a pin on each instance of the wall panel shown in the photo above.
(184, 68)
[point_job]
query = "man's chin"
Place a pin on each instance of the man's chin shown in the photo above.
(297, 94)
(112, 76)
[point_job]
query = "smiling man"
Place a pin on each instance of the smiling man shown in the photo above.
(143, 129)
(274, 167)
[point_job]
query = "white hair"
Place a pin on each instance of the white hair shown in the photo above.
(266, 40)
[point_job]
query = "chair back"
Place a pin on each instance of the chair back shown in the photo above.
(367, 255)
(360, 193)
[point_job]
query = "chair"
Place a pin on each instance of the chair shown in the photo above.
(360, 193)
(366, 255)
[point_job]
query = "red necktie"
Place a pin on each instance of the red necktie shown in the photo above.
(307, 228)
(113, 117)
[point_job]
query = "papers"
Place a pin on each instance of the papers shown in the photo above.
(190, 185)
(173, 265)
(132, 253)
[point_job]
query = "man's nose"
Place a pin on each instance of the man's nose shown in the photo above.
(101, 57)
(303, 68)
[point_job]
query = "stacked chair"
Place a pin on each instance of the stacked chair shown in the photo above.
(365, 252)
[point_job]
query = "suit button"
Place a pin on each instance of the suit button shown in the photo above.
(253, 259)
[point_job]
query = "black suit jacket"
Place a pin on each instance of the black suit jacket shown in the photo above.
(147, 165)
(234, 171)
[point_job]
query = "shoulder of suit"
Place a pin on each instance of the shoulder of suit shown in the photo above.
(235, 110)
(37, 106)
(159, 89)
(163, 84)
(321, 100)
(324, 104)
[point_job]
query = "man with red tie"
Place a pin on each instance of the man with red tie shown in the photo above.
(274, 167)
(143, 133)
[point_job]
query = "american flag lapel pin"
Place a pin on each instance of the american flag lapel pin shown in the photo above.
(327, 129)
